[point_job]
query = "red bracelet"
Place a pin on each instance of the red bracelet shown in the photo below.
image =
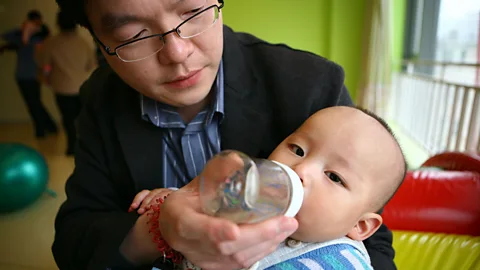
(162, 245)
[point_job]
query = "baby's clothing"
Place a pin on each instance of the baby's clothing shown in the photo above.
(339, 254)
(342, 253)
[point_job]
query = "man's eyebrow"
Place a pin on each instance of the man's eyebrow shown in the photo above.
(111, 22)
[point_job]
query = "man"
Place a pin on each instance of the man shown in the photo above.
(25, 41)
(67, 60)
(170, 102)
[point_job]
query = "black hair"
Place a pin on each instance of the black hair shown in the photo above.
(65, 22)
(33, 15)
(384, 199)
(75, 9)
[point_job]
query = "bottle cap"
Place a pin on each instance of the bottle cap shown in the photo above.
(297, 191)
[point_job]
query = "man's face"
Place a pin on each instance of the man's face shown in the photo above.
(341, 155)
(182, 73)
(37, 22)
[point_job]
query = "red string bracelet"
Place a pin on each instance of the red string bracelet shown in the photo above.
(162, 245)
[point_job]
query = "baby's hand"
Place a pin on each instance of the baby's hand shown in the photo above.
(146, 198)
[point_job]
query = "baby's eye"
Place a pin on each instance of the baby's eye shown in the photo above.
(297, 150)
(335, 178)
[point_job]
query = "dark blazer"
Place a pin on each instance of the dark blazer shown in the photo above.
(270, 90)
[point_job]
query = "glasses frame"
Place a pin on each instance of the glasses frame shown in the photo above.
(113, 52)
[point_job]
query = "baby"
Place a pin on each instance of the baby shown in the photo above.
(350, 165)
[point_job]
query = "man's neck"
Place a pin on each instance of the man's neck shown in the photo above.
(188, 113)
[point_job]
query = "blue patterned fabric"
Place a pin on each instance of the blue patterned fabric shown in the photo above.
(333, 257)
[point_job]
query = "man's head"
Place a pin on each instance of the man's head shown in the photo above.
(65, 22)
(33, 25)
(34, 15)
(182, 72)
(350, 165)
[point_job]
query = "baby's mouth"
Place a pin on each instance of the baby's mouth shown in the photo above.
(303, 183)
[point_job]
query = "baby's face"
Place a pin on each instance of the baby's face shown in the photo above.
(341, 155)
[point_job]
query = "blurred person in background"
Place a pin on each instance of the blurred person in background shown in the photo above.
(66, 61)
(24, 41)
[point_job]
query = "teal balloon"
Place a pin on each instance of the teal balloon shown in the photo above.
(23, 176)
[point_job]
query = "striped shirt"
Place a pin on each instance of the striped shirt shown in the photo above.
(186, 147)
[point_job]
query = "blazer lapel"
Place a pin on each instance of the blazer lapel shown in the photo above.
(246, 117)
(141, 142)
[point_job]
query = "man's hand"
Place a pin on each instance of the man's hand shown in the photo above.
(29, 28)
(213, 243)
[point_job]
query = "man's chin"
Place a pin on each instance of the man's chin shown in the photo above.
(193, 96)
(185, 101)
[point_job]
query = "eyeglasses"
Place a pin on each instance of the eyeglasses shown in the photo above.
(142, 48)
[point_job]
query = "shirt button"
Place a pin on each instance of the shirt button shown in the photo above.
(292, 243)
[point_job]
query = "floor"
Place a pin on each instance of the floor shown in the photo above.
(27, 235)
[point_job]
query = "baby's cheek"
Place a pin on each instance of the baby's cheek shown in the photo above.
(308, 230)
(313, 218)
(275, 155)
(307, 224)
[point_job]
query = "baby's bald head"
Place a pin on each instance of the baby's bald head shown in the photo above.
(371, 145)
(350, 165)
(398, 174)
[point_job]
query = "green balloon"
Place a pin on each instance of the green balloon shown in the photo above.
(23, 176)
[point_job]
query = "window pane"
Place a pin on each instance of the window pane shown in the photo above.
(458, 38)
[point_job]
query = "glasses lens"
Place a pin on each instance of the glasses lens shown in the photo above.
(199, 23)
(140, 49)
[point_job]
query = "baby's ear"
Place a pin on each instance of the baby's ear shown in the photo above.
(365, 227)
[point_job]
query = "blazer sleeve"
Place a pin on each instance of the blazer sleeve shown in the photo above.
(91, 224)
(12, 37)
(330, 89)
(344, 98)
(379, 247)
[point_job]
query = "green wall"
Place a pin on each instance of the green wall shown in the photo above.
(330, 28)
(302, 24)
(398, 25)
(348, 20)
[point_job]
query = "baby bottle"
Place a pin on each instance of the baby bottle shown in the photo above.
(248, 190)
